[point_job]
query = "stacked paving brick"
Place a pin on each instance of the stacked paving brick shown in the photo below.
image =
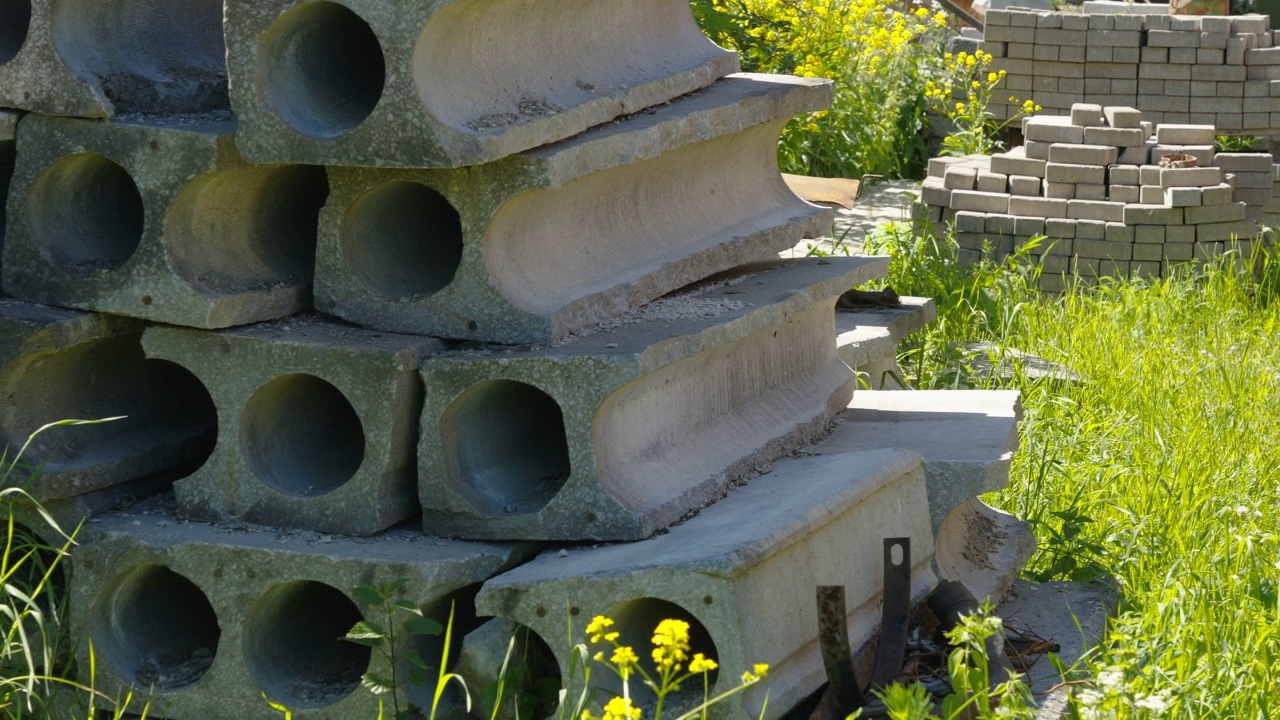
(1220, 71)
(1093, 184)
(365, 276)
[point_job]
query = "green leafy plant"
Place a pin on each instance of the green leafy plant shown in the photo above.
(1239, 143)
(963, 97)
(382, 636)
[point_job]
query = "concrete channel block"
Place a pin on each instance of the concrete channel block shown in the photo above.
(742, 573)
(537, 246)
(162, 222)
(208, 617)
(447, 84)
(59, 365)
(317, 423)
(110, 58)
(867, 338)
(624, 431)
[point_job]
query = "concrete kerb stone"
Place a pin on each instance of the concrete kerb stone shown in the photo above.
(61, 364)
(210, 616)
(537, 246)
(317, 423)
(626, 430)
(873, 333)
(983, 548)
(453, 83)
(163, 222)
(157, 59)
(742, 573)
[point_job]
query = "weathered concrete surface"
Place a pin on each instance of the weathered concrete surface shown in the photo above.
(210, 616)
(743, 573)
(454, 83)
(539, 245)
(8, 125)
(104, 58)
(627, 429)
(983, 548)
(317, 423)
(967, 437)
(60, 365)
(158, 221)
(1072, 614)
(868, 338)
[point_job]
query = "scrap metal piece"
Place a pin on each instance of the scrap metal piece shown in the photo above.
(891, 650)
(837, 659)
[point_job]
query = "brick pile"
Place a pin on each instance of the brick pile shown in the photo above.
(1166, 66)
(1092, 185)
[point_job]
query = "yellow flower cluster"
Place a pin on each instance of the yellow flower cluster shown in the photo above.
(670, 644)
(963, 97)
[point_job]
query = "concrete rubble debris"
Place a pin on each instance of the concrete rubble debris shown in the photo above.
(447, 84)
(538, 246)
(158, 221)
(622, 432)
(156, 59)
(316, 423)
(60, 364)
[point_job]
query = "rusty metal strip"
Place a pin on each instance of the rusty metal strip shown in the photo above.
(891, 650)
(833, 638)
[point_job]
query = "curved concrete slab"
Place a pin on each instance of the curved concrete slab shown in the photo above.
(619, 433)
(317, 423)
(446, 84)
(540, 245)
(158, 221)
(743, 573)
(108, 58)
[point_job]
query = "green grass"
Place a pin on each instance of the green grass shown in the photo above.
(1160, 473)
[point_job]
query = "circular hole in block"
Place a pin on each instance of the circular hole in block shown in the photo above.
(321, 69)
(15, 19)
(402, 240)
(155, 628)
(301, 436)
(86, 213)
(154, 57)
(293, 644)
(505, 447)
(635, 622)
(430, 649)
(248, 228)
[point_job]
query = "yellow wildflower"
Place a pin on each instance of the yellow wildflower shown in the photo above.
(624, 658)
(670, 644)
(700, 664)
(621, 709)
(596, 628)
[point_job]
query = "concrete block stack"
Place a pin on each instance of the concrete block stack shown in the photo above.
(1093, 184)
(367, 275)
(1218, 71)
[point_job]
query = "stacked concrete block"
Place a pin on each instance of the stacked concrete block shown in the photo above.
(60, 364)
(1106, 206)
(1169, 67)
(544, 223)
(107, 58)
(206, 619)
(406, 84)
(513, 251)
(158, 221)
(8, 127)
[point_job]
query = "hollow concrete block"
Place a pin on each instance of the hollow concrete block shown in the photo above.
(624, 431)
(60, 365)
(316, 426)
(743, 573)
(111, 58)
(537, 246)
(8, 148)
(967, 438)
(453, 83)
(200, 619)
(162, 222)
